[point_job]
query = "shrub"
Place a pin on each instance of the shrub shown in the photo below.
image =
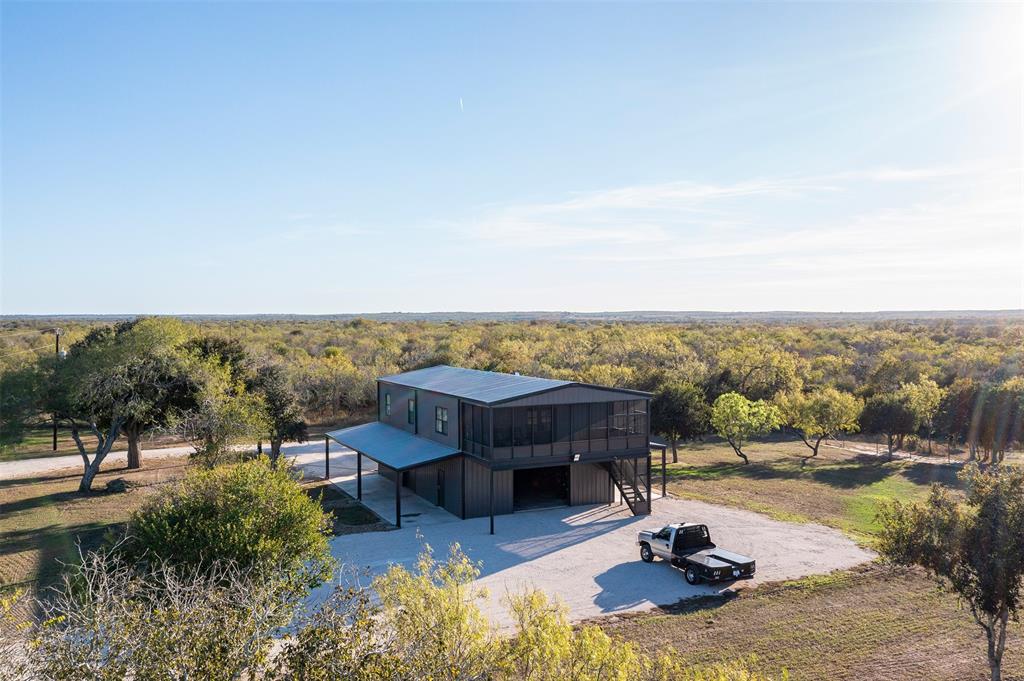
(425, 624)
(111, 620)
(252, 515)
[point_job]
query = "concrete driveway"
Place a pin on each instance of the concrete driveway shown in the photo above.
(587, 555)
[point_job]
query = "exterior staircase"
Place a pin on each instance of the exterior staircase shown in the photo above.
(632, 477)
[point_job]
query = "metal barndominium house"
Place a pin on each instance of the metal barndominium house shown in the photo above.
(482, 443)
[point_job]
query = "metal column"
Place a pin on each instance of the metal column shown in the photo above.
(398, 499)
(327, 458)
(650, 485)
(664, 475)
(462, 487)
(359, 475)
(492, 501)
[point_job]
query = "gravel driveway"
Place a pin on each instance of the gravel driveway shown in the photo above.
(588, 558)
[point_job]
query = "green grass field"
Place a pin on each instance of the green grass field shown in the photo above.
(839, 488)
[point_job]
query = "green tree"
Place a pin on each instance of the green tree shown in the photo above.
(820, 414)
(759, 370)
(976, 549)
(956, 413)
(223, 414)
(679, 411)
(253, 515)
(738, 419)
(282, 408)
(149, 372)
(924, 397)
(22, 391)
(90, 390)
(889, 415)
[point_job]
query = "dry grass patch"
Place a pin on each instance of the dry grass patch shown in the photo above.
(43, 519)
(867, 624)
(349, 516)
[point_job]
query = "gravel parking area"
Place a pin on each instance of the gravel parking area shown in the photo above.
(587, 556)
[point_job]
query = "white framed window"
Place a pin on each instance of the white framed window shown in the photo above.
(441, 420)
(387, 404)
(412, 411)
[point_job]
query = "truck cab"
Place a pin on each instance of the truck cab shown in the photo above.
(679, 539)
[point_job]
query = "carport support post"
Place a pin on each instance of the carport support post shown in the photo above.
(398, 499)
(359, 475)
(327, 458)
(491, 499)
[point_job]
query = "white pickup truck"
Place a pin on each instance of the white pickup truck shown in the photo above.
(689, 546)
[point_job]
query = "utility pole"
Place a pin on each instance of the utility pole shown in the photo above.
(56, 354)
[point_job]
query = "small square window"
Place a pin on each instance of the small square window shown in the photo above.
(441, 420)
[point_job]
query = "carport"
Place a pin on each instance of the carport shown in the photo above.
(391, 448)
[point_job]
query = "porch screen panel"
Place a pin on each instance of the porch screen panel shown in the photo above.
(580, 422)
(503, 427)
(563, 423)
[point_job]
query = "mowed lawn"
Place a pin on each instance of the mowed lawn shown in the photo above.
(869, 624)
(838, 488)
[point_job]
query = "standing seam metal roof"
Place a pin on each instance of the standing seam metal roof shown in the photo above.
(488, 387)
(473, 384)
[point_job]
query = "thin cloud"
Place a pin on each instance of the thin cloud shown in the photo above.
(955, 216)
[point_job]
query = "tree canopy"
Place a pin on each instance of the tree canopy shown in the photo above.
(680, 411)
(737, 419)
(820, 414)
(975, 548)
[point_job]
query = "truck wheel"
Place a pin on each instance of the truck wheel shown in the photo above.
(646, 555)
(692, 576)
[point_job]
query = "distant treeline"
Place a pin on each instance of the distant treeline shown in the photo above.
(333, 364)
(631, 316)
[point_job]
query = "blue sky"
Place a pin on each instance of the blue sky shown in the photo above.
(321, 158)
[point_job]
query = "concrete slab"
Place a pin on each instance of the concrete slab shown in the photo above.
(587, 556)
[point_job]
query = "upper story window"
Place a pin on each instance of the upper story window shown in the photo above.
(387, 404)
(441, 420)
(412, 411)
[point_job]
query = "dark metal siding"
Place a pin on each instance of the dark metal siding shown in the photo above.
(589, 484)
(478, 487)
(425, 416)
(423, 481)
(400, 396)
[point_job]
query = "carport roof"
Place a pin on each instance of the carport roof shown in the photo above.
(390, 446)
